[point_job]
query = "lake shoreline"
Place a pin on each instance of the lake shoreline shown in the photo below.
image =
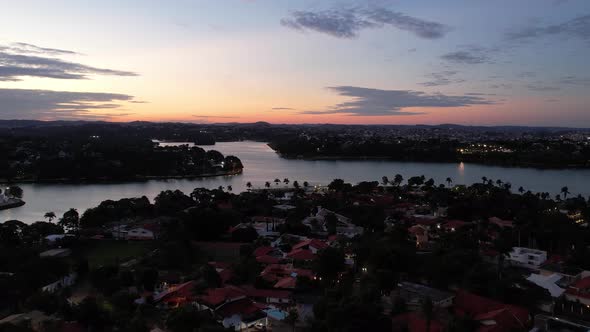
(385, 158)
(115, 181)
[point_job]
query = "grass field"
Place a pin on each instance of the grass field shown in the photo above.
(114, 252)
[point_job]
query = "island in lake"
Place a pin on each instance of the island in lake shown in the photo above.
(103, 153)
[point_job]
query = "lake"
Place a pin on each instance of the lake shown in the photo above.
(262, 164)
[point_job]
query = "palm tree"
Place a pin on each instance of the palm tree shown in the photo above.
(499, 182)
(230, 188)
(449, 181)
(428, 311)
(484, 179)
(292, 318)
(267, 184)
(277, 181)
(398, 179)
(50, 216)
(384, 180)
(305, 184)
(249, 185)
(565, 191)
(521, 189)
(286, 181)
(220, 188)
(296, 184)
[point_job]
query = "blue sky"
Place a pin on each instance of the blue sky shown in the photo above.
(372, 61)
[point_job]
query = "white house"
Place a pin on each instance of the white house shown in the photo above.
(526, 257)
(140, 233)
(65, 281)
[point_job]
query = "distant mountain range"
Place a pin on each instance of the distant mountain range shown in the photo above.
(505, 128)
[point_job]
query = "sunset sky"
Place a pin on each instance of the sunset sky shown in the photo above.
(500, 62)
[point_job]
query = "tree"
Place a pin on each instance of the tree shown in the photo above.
(384, 180)
(70, 220)
(14, 191)
(230, 188)
(429, 183)
(249, 185)
(277, 181)
(305, 184)
(286, 181)
(267, 184)
(397, 180)
(565, 191)
(484, 179)
(449, 181)
(296, 184)
(428, 311)
(292, 318)
(50, 216)
(521, 189)
(329, 264)
(503, 246)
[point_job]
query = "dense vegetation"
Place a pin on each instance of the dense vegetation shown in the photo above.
(105, 157)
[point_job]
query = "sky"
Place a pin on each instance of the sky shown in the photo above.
(473, 62)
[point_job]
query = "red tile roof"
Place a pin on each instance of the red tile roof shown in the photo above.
(580, 288)
(176, 291)
(261, 251)
(268, 259)
(243, 307)
(274, 293)
(474, 305)
(301, 255)
(286, 283)
(216, 296)
(315, 243)
(415, 323)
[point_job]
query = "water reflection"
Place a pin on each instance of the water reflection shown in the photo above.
(262, 164)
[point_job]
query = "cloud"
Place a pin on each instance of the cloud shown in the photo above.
(376, 102)
(574, 80)
(24, 48)
(578, 28)
(539, 86)
(60, 105)
(282, 109)
(25, 60)
(442, 78)
(347, 23)
(470, 55)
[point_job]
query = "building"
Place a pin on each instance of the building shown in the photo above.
(579, 291)
(525, 257)
(415, 294)
(140, 233)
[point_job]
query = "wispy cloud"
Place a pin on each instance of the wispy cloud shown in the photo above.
(377, 102)
(470, 55)
(24, 48)
(347, 23)
(282, 109)
(25, 60)
(60, 105)
(578, 27)
(442, 78)
(574, 80)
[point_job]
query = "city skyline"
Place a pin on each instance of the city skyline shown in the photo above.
(352, 62)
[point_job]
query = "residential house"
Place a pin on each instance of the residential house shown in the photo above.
(140, 233)
(579, 291)
(415, 294)
(491, 315)
(525, 257)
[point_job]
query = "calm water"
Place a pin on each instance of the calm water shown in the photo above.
(263, 164)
